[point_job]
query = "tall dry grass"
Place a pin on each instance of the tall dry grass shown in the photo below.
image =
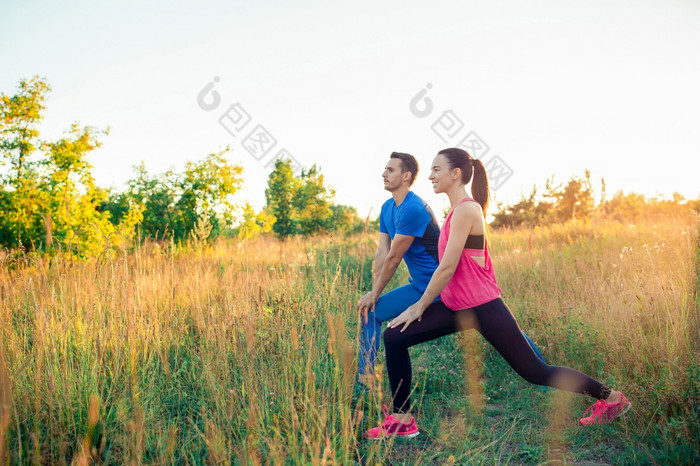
(245, 352)
(630, 289)
(192, 354)
(620, 302)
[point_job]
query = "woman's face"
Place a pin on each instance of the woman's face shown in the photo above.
(441, 175)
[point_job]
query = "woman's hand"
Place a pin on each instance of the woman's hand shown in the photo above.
(413, 313)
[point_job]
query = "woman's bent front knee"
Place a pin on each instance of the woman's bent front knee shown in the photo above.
(393, 337)
(538, 374)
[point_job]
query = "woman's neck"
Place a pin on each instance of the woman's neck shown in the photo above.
(456, 194)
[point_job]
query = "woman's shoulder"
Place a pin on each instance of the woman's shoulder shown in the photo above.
(468, 208)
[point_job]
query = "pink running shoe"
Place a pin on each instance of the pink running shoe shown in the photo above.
(392, 426)
(604, 412)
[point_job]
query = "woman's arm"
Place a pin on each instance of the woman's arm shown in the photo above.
(465, 216)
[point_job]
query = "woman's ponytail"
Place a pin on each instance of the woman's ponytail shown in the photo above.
(480, 185)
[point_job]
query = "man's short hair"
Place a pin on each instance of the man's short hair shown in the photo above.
(408, 164)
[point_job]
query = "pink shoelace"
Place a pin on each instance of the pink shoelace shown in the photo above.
(596, 407)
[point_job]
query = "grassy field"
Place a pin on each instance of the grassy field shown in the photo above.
(245, 353)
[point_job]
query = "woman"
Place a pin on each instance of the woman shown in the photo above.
(471, 298)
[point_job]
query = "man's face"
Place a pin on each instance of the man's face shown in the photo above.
(392, 175)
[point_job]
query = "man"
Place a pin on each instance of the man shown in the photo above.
(408, 230)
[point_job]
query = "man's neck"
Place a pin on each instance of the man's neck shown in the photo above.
(400, 194)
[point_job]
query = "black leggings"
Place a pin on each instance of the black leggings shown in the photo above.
(496, 323)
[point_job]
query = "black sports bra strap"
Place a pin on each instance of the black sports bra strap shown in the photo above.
(474, 242)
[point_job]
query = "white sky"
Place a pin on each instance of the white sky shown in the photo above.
(552, 87)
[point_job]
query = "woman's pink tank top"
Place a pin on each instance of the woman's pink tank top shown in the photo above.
(471, 284)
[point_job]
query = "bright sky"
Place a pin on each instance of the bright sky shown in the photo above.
(551, 87)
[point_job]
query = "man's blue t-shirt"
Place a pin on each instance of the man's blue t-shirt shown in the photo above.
(414, 218)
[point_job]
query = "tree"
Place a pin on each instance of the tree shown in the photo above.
(279, 195)
(174, 203)
(20, 115)
(623, 206)
(575, 200)
(312, 203)
(253, 224)
(206, 188)
(300, 205)
(527, 211)
(345, 219)
(156, 195)
(49, 194)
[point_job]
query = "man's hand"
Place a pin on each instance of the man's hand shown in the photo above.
(413, 313)
(366, 303)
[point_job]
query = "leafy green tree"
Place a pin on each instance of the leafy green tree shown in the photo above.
(279, 195)
(622, 206)
(563, 202)
(205, 190)
(156, 195)
(19, 137)
(527, 211)
(20, 115)
(254, 223)
(173, 204)
(49, 194)
(73, 216)
(345, 219)
(300, 205)
(312, 203)
(575, 200)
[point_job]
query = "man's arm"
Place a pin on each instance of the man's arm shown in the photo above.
(391, 262)
(386, 261)
(367, 301)
(382, 251)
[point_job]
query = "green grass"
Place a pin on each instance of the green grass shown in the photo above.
(244, 353)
